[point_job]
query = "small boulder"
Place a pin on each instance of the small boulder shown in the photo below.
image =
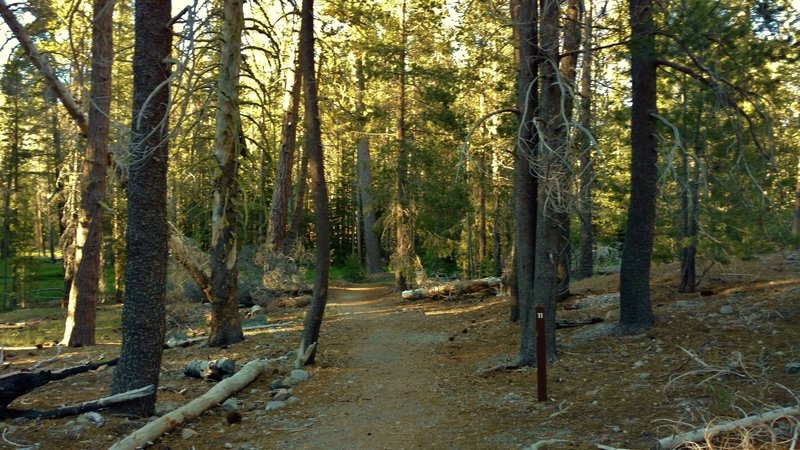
(282, 395)
(299, 375)
(230, 404)
(793, 367)
(275, 405)
(726, 309)
(188, 433)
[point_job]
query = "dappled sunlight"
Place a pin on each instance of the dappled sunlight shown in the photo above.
(460, 309)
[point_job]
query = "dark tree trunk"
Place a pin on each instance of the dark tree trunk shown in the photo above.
(83, 297)
(404, 248)
(371, 241)
(796, 221)
(551, 247)
(586, 257)
(276, 230)
(143, 315)
(316, 309)
(118, 244)
(372, 244)
(525, 181)
(636, 313)
(299, 210)
(497, 256)
(226, 325)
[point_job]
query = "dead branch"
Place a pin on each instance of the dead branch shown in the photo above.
(703, 433)
(44, 362)
(220, 392)
(92, 405)
(17, 384)
(182, 254)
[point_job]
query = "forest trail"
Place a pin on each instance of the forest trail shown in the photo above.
(387, 391)
(403, 374)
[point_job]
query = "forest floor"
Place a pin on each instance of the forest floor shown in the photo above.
(400, 375)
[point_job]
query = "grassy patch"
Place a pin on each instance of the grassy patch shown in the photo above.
(33, 326)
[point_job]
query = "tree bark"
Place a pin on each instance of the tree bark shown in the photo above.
(316, 309)
(143, 314)
(83, 296)
(636, 313)
(372, 244)
(796, 221)
(551, 248)
(299, 210)
(586, 257)
(404, 247)
(525, 181)
(276, 229)
(226, 326)
(118, 244)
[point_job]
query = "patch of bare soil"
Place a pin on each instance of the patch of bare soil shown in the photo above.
(398, 374)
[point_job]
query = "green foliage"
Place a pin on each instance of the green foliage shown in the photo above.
(29, 280)
(350, 271)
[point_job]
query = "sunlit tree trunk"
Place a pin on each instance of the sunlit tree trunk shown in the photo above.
(143, 314)
(313, 141)
(636, 313)
(226, 326)
(276, 229)
(83, 295)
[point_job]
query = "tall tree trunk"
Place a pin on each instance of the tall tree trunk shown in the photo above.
(525, 181)
(586, 257)
(796, 221)
(690, 207)
(276, 229)
(299, 210)
(118, 243)
(567, 69)
(372, 244)
(404, 249)
(83, 297)
(551, 246)
(143, 314)
(316, 309)
(226, 326)
(636, 313)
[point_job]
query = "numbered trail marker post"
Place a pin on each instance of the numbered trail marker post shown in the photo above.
(541, 355)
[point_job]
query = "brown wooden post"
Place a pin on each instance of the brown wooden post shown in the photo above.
(541, 355)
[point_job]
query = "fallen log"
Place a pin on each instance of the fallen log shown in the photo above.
(214, 370)
(220, 392)
(92, 405)
(17, 384)
(453, 289)
(701, 434)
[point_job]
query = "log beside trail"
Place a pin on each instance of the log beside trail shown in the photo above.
(219, 393)
(454, 289)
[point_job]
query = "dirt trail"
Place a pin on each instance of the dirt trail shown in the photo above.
(385, 392)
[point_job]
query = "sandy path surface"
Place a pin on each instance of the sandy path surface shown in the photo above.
(385, 393)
